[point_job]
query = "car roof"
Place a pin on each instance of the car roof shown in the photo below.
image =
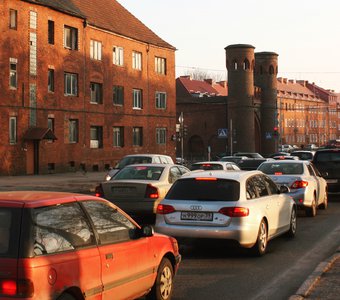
(151, 165)
(146, 155)
(39, 198)
(286, 161)
(235, 175)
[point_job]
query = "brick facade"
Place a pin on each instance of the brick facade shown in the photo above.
(27, 156)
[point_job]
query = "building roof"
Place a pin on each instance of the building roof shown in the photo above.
(108, 15)
(202, 88)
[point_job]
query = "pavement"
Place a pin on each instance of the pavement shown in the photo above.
(322, 284)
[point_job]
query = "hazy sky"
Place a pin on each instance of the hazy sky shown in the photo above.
(305, 33)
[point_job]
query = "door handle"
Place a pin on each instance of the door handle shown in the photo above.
(109, 256)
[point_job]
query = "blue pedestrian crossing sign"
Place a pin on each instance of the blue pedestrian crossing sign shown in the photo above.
(222, 133)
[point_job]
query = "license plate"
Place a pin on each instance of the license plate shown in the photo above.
(332, 180)
(196, 216)
(122, 189)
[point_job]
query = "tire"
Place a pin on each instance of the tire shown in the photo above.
(311, 211)
(260, 246)
(66, 296)
(163, 287)
(324, 204)
(293, 224)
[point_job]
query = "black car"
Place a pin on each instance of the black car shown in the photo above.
(327, 162)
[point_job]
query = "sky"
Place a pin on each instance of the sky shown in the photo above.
(304, 33)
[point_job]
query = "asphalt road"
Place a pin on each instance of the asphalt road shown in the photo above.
(218, 271)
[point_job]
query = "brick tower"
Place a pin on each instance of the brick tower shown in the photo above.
(266, 67)
(241, 115)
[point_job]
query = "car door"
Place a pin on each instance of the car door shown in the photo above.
(127, 263)
(266, 203)
(316, 182)
(321, 183)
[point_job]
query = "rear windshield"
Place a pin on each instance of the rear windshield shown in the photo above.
(204, 190)
(10, 219)
(328, 156)
(206, 167)
(133, 160)
(139, 173)
(281, 169)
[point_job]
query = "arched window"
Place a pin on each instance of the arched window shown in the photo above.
(261, 70)
(235, 65)
(246, 64)
(271, 70)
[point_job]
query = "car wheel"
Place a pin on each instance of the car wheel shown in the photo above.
(66, 296)
(293, 224)
(324, 205)
(311, 211)
(260, 246)
(163, 287)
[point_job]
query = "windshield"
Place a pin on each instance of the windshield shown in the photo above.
(205, 190)
(9, 231)
(281, 169)
(132, 160)
(140, 173)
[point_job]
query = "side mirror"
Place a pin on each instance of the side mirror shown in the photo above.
(284, 189)
(148, 231)
(324, 174)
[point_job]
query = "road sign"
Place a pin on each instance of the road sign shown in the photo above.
(222, 133)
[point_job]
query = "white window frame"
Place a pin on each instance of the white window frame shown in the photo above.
(95, 50)
(13, 130)
(118, 56)
(161, 136)
(161, 98)
(118, 136)
(160, 65)
(136, 60)
(13, 19)
(70, 84)
(70, 37)
(137, 97)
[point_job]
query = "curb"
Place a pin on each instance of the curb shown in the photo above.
(313, 279)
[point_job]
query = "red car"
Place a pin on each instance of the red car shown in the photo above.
(70, 246)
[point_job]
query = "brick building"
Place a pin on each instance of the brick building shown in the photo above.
(83, 83)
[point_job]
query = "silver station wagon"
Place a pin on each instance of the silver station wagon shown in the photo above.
(244, 206)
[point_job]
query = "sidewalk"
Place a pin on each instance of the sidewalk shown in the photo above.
(322, 284)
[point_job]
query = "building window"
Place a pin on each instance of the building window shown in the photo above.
(13, 19)
(73, 131)
(136, 60)
(160, 65)
(70, 38)
(13, 130)
(33, 19)
(137, 136)
(96, 135)
(51, 32)
(96, 93)
(50, 86)
(13, 81)
(118, 136)
(96, 50)
(161, 100)
(118, 56)
(137, 99)
(118, 95)
(71, 84)
(50, 124)
(161, 136)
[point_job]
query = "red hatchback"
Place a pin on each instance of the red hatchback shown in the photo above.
(70, 246)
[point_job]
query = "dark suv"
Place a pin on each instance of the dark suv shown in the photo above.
(328, 163)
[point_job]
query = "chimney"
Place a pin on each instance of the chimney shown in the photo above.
(280, 79)
(291, 81)
(209, 81)
(285, 80)
(302, 82)
(186, 77)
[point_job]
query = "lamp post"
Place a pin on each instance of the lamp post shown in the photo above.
(181, 122)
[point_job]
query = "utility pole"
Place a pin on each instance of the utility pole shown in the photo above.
(181, 122)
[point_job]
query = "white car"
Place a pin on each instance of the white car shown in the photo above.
(244, 206)
(215, 165)
(307, 187)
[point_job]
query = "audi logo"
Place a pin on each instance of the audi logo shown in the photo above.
(196, 207)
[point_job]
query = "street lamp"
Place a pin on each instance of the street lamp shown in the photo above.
(181, 122)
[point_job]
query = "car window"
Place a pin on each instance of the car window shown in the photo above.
(131, 160)
(60, 228)
(163, 160)
(110, 224)
(174, 174)
(202, 189)
(316, 171)
(183, 169)
(206, 166)
(260, 186)
(9, 231)
(272, 187)
(140, 173)
(157, 160)
(250, 189)
(311, 171)
(327, 156)
(281, 169)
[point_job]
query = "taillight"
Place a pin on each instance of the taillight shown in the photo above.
(99, 191)
(299, 184)
(164, 209)
(151, 192)
(234, 211)
(20, 288)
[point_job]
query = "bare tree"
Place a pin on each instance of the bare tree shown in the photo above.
(199, 74)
